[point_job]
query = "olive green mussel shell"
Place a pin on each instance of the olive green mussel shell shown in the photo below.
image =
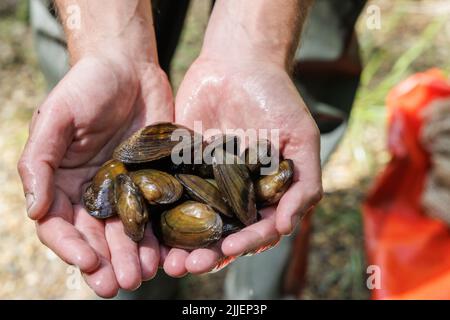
(152, 143)
(190, 225)
(99, 198)
(270, 189)
(201, 190)
(157, 187)
(131, 207)
(233, 180)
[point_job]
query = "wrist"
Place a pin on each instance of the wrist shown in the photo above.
(225, 40)
(255, 30)
(235, 51)
(122, 28)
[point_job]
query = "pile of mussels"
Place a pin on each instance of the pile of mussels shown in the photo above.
(190, 206)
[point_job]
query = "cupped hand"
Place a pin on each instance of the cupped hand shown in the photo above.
(100, 102)
(229, 94)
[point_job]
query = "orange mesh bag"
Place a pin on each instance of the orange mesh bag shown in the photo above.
(411, 249)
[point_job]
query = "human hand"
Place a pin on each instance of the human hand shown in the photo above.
(232, 94)
(114, 88)
(97, 104)
(241, 81)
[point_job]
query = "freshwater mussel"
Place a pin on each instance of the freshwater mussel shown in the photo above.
(191, 206)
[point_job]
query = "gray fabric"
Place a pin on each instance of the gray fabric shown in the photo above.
(48, 38)
(322, 37)
(258, 276)
(328, 25)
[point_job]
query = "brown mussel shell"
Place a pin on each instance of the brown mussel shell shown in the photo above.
(229, 143)
(270, 189)
(131, 207)
(203, 170)
(258, 155)
(233, 180)
(231, 225)
(157, 187)
(99, 198)
(152, 143)
(201, 190)
(190, 225)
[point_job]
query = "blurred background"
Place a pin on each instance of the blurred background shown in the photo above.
(414, 36)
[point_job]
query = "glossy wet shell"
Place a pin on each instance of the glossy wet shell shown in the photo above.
(157, 187)
(130, 207)
(152, 143)
(190, 225)
(235, 184)
(231, 225)
(270, 189)
(99, 198)
(258, 155)
(229, 143)
(201, 190)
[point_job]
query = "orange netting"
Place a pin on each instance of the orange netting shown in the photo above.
(411, 249)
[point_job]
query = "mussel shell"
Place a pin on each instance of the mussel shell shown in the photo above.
(214, 183)
(99, 198)
(152, 143)
(157, 187)
(203, 170)
(231, 225)
(229, 143)
(131, 207)
(201, 190)
(258, 155)
(190, 225)
(100, 204)
(233, 180)
(270, 189)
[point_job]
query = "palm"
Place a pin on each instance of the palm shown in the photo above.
(255, 96)
(99, 109)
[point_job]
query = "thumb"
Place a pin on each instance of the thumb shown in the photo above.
(50, 135)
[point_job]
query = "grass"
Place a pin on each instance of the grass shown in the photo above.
(406, 44)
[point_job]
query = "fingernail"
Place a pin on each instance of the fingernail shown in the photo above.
(29, 197)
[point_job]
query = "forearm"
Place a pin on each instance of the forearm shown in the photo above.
(256, 29)
(108, 28)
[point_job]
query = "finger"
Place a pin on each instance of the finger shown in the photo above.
(251, 238)
(175, 263)
(149, 254)
(51, 133)
(102, 280)
(306, 189)
(57, 232)
(204, 260)
(124, 255)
